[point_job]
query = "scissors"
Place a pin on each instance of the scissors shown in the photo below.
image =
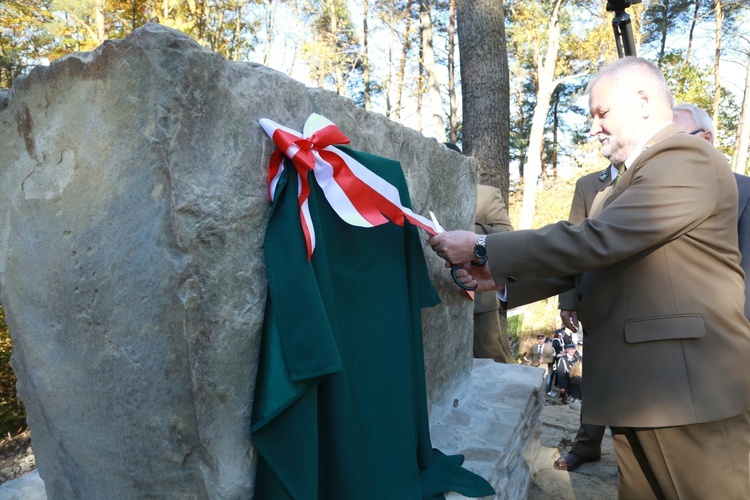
(454, 267)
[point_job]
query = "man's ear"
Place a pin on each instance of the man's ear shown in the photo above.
(644, 104)
(709, 136)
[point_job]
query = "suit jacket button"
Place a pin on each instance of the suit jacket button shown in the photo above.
(511, 279)
(579, 297)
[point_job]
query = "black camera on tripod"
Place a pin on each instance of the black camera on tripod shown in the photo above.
(621, 26)
(615, 5)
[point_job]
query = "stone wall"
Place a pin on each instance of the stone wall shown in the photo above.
(494, 422)
(133, 181)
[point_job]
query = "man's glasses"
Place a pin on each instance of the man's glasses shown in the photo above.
(697, 131)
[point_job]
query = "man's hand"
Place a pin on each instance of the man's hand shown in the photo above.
(570, 319)
(456, 247)
(471, 275)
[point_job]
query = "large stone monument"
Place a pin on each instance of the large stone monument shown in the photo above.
(133, 181)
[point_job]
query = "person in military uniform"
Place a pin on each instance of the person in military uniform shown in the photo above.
(569, 387)
(541, 354)
(491, 216)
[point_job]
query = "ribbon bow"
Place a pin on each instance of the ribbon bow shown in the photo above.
(359, 196)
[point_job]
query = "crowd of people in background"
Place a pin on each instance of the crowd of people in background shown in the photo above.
(562, 359)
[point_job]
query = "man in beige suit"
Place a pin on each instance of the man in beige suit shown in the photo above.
(541, 354)
(659, 287)
(491, 217)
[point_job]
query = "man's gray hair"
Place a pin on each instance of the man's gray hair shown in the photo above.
(647, 70)
(699, 116)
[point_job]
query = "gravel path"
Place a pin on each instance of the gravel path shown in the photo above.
(16, 457)
(593, 481)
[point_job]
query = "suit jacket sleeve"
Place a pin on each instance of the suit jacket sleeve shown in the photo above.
(520, 294)
(654, 203)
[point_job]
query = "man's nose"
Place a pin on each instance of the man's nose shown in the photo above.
(595, 127)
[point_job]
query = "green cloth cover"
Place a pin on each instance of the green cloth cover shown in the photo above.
(340, 407)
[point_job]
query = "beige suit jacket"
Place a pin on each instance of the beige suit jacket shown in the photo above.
(586, 190)
(547, 356)
(660, 288)
(491, 217)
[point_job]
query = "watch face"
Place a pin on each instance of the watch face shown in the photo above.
(480, 252)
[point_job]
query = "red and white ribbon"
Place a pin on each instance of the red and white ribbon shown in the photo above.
(359, 196)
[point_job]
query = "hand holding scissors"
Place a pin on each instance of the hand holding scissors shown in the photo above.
(455, 267)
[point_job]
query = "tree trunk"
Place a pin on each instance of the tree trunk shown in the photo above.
(717, 55)
(521, 124)
(453, 112)
(420, 71)
(366, 59)
(389, 76)
(164, 12)
(664, 32)
(485, 88)
(742, 139)
(555, 130)
(637, 23)
(338, 71)
(101, 26)
(234, 54)
(270, 11)
(402, 62)
(435, 115)
(692, 30)
(546, 86)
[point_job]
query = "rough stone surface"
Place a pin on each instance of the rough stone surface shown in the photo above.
(131, 272)
(494, 423)
(558, 424)
(27, 487)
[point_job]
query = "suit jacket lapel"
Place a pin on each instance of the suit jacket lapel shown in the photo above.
(602, 193)
(604, 197)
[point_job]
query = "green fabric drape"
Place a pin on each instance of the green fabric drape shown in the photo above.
(340, 406)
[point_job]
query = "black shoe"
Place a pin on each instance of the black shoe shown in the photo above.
(571, 461)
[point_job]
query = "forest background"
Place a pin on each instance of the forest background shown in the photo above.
(402, 58)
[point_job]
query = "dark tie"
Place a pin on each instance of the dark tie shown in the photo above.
(620, 172)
